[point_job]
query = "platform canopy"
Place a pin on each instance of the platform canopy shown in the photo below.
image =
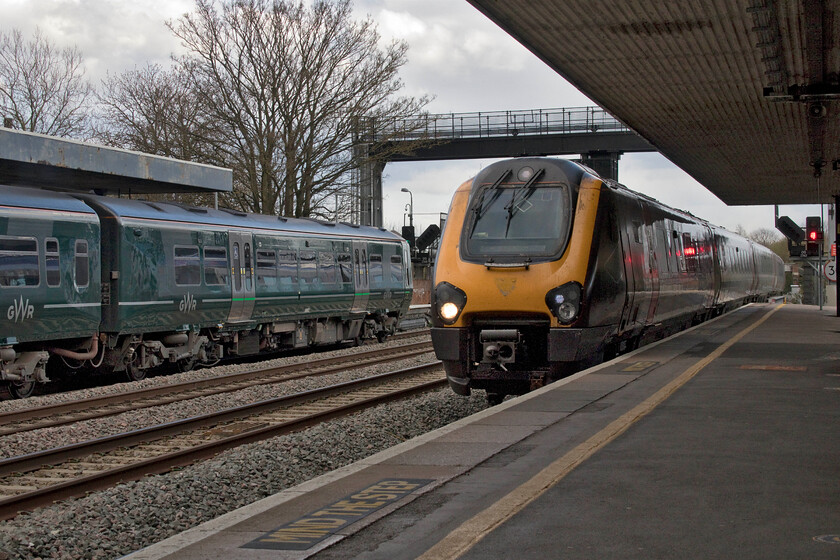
(741, 94)
(36, 160)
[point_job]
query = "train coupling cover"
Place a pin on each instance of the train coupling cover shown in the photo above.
(499, 346)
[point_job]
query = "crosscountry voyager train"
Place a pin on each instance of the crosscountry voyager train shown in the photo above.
(111, 284)
(546, 268)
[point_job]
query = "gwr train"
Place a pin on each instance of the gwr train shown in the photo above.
(126, 285)
(544, 268)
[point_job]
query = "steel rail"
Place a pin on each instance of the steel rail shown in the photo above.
(9, 507)
(93, 407)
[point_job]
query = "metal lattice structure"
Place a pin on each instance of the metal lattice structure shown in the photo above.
(589, 131)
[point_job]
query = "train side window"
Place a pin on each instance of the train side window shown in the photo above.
(637, 231)
(396, 269)
(249, 267)
(365, 270)
(287, 270)
(266, 269)
(215, 266)
(82, 264)
(358, 269)
(376, 270)
(308, 267)
(678, 252)
(690, 252)
(19, 262)
(187, 266)
(666, 247)
(52, 262)
(237, 268)
(345, 267)
(326, 268)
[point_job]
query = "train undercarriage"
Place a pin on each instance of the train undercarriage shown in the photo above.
(515, 356)
(23, 368)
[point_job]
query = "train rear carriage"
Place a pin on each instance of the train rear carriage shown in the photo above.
(736, 280)
(390, 286)
(303, 279)
(187, 284)
(49, 282)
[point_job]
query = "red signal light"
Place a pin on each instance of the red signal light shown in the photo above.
(813, 228)
(689, 251)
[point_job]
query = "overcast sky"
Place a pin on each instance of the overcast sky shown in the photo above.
(455, 54)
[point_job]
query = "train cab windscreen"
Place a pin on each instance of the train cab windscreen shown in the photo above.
(515, 222)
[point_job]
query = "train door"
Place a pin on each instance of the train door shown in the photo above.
(651, 263)
(242, 276)
(627, 234)
(361, 276)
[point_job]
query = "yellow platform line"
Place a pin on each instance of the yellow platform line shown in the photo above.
(469, 533)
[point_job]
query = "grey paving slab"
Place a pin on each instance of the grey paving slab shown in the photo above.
(742, 461)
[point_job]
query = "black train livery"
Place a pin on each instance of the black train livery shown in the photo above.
(546, 268)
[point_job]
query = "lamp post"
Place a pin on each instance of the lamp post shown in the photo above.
(410, 207)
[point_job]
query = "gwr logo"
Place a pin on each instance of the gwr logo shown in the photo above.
(188, 303)
(20, 310)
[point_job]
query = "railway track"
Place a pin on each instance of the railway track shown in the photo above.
(38, 479)
(109, 405)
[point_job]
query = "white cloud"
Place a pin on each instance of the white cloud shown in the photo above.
(455, 53)
(400, 25)
(112, 36)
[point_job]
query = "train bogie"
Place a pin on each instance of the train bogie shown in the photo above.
(545, 268)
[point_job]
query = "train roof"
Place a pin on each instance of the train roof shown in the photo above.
(36, 198)
(181, 213)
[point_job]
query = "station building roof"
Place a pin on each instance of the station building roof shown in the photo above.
(36, 160)
(743, 95)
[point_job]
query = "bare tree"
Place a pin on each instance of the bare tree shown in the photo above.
(42, 87)
(152, 110)
(155, 110)
(284, 85)
(780, 247)
(765, 236)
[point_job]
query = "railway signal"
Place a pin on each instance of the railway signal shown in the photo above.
(813, 235)
(790, 230)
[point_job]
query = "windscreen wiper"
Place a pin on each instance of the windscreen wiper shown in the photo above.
(513, 205)
(480, 208)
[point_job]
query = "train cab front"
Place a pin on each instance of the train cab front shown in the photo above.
(508, 274)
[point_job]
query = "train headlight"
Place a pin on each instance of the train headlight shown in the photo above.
(564, 302)
(448, 311)
(449, 302)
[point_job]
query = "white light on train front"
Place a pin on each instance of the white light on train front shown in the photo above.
(449, 311)
(566, 312)
(525, 173)
(449, 302)
(564, 302)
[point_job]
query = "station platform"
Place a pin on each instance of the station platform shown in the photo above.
(720, 442)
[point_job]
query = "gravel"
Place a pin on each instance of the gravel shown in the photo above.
(120, 520)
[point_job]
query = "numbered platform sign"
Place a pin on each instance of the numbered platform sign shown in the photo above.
(830, 270)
